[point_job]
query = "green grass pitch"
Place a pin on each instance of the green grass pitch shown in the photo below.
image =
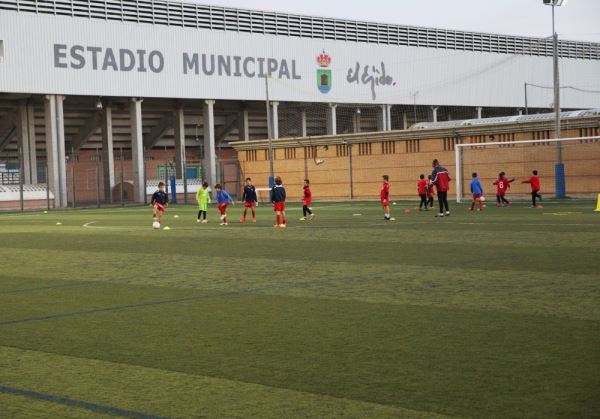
(479, 315)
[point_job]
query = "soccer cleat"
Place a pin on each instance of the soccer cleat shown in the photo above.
(223, 224)
(440, 215)
(302, 219)
(223, 217)
(254, 220)
(243, 220)
(447, 213)
(283, 225)
(313, 216)
(197, 221)
(276, 226)
(204, 221)
(392, 219)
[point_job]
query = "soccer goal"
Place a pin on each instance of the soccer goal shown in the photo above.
(567, 167)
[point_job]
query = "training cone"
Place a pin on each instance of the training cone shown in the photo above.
(598, 204)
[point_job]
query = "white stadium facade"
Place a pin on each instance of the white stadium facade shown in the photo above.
(150, 74)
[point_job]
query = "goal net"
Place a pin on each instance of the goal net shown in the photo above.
(567, 167)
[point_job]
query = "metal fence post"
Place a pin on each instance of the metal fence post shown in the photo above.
(122, 180)
(73, 185)
(21, 169)
(47, 188)
(97, 179)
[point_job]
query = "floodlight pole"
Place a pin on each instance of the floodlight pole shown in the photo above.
(269, 134)
(559, 169)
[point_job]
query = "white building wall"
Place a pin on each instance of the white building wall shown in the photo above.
(39, 58)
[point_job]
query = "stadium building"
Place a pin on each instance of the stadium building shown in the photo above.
(101, 98)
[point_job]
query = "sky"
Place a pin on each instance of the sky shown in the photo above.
(576, 20)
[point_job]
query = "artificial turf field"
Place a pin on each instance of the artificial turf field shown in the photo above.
(492, 314)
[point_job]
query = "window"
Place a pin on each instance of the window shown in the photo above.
(251, 155)
(290, 153)
(450, 143)
(413, 146)
(310, 152)
(364, 149)
(388, 147)
(341, 150)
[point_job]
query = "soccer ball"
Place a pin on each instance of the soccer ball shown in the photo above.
(156, 225)
(482, 199)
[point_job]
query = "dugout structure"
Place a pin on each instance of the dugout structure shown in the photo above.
(353, 164)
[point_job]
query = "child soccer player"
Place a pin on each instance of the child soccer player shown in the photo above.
(384, 196)
(203, 199)
(159, 201)
(534, 181)
(477, 191)
(306, 201)
(502, 186)
(278, 200)
(430, 192)
(223, 199)
(250, 199)
(422, 190)
(441, 179)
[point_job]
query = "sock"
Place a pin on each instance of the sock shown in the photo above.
(253, 213)
(304, 208)
(278, 219)
(480, 204)
(244, 216)
(308, 210)
(199, 214)
(473, 205)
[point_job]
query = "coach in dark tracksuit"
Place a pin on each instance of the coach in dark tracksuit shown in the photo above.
(441, 179)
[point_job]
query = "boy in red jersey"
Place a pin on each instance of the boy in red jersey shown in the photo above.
(278, 199)
(534, 181)
(306, 201)
(502, 186)
(441, 179)
(422, 191)
(430, 192)
(384, 196)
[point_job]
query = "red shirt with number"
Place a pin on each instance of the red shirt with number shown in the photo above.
(502, 185)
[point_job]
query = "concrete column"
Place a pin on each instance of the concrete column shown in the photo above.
(243, 126)
(179, 131)
(303, 123)
(54, 134)
(388, 116)
(108, 156)
(32, 143)
(434, 110)
(479, 112)
(332, 119)
(404, 120)
(23, 140)
(520, 111)
(356, 121)
(275, 119)
(62, 158)
(137, 150)
(382, 118)
(209, 167)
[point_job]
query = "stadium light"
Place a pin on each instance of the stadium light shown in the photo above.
(559, 169)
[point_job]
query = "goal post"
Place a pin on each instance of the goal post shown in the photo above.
(578, 168)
